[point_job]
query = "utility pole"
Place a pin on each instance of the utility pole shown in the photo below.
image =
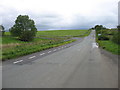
(118, 16)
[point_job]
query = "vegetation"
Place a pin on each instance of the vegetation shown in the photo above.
(118, 27)
(108, 39)
(63, 33)
(12, 47)
(2, 29)
(116, 38)
(24, 49)
(103, 37)
(110, 46)
(24, 28)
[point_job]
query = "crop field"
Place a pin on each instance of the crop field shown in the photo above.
(13, 48)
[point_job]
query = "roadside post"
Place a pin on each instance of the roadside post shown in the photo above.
(118, 16)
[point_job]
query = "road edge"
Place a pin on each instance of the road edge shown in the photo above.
(110, 55)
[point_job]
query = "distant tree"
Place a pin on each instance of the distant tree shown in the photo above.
(96, 26)
(24, 28)
(118, 27)
(2, 30)
(91, 28)
(99, 28)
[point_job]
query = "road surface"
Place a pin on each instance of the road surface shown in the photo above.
(79, 66)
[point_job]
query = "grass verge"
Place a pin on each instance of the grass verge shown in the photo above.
(28, 49)
(110, 46)
(13, 48)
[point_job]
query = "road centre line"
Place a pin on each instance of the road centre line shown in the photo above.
(49, 51)
(35, 56)
(42, 54)
(32, 57)
(17, 61)
(54, 50)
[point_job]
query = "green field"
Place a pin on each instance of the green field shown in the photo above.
(7, 39)
(72, 33)
(12, 47)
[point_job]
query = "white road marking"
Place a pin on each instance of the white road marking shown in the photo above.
(94, 45)
(32, 57)
(49, 51)
(54, 50)
(17, 61)
(42, 54)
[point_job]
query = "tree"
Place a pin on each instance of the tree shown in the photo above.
(2, 30)
(118, 27)
(24, 28)
(99, 28)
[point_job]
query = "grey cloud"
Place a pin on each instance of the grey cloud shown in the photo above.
(50, 20)
(87, 22)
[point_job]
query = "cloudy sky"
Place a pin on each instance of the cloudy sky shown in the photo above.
(61, 14)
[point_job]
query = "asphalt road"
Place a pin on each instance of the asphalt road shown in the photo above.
(78, 65)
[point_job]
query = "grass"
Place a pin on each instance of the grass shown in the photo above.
(13, 48)
(72, 33)
(10, 39)
(110, 46)
(7, 39)
(29, 48)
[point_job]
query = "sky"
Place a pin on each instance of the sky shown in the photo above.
(61, 14)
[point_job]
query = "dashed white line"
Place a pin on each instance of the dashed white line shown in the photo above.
(17, 61)
(42, 54)
(54, 50)
(35, 56)
(49, 52)
(32, 57)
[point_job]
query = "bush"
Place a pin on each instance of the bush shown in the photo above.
(116, 38)
(103, 37)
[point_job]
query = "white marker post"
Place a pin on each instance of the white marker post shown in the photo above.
(94, 45)
(118, 16)
(119, 13)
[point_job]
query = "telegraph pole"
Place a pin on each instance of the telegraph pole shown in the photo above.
(118, 16)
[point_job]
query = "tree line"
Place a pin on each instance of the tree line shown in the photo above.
(102, 33)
